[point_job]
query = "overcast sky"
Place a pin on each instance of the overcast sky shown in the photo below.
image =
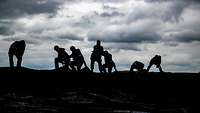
(129, 29)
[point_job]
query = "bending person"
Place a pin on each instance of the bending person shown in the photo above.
(16, 49)
(156, 60)
(62, 58)
(137, 65)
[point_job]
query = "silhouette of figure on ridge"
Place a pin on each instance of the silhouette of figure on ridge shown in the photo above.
(78, 59)
(62, 58)
(156, 60)
(16, 49)
(109, 63)
(138, 66)
(96, 56)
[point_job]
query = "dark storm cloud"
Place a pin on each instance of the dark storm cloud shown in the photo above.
(122, 46)
(5, 28)
(70, 36)
(125, 37)
(16, 8)
(186, 36)
(112, 14)
(27, 40)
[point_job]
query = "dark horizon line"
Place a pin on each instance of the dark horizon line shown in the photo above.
(26, 68)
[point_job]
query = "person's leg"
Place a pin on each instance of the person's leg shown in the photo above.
(160, 69)
(56, 61)
(92, 65)
(110, 66)
(104, 68)
(72, 65)
(100, 66)
(132, 67)
(148, 68)
(79, 65)
(19, 61)
(114, 66)
(11, 61)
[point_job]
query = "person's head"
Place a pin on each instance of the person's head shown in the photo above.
(98, 42)
(72, 48)
(56, 48)
(157, 56)
(105, 52)
(22, 41)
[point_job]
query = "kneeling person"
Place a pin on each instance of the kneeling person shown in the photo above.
(62, 58)
(78, 59)
(109, 63)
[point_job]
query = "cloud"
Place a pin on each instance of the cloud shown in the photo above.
(112, 14)
(5, 28)
(186, 36)
(130, 29)
(122, 46)
(137, 32)
(28, 39)
(124, 36)
(13, 9)
(167, 11)
(70, 36)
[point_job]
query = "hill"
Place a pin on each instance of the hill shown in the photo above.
(55, 91)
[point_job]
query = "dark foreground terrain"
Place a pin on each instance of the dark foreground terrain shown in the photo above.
(41, 91)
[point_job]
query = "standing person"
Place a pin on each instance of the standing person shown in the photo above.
(78, 59)
(96, 56)
(62, 58)
(16, 49)
(109, 63)
(156, 60)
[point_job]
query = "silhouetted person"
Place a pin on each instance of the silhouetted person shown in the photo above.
(109, 63)
(96, 56)
(137, 65)
(62, 58)
(78, 59)
(16, 49)
(156, 60)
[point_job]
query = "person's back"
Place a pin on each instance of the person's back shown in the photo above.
(77, 55)
(16, 49)
(108, 58)
(78, 59)
(63, 57)
(137, 65)
(97, 52)
(62, 54)
(156, 60)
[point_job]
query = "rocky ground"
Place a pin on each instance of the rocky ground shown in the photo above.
(35, 91)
